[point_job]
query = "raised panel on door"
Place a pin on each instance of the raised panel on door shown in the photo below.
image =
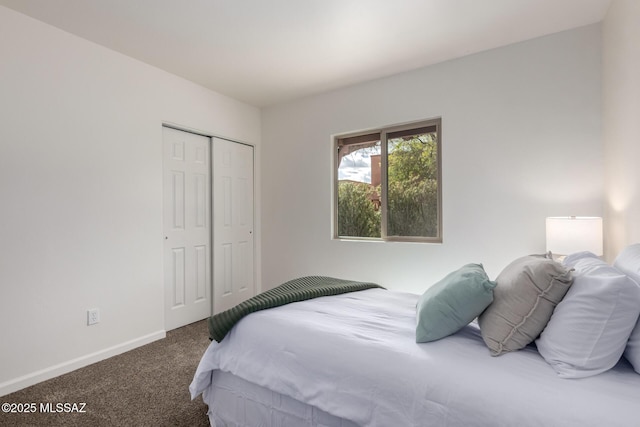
(187, 227)
(233, 209)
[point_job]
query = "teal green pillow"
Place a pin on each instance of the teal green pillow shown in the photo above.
(453, 303)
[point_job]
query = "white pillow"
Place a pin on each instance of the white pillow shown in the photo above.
(570, 260)
(589, 328)
(628, 261)
(632, 352)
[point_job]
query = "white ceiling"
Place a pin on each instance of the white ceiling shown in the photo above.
(268, 51)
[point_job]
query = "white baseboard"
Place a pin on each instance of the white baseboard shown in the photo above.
(80, 362)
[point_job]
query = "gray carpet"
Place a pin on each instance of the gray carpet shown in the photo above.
(147, 386)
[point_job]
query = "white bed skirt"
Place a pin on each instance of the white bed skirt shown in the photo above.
(234, 402)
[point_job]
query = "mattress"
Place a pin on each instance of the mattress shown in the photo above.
(354, 357)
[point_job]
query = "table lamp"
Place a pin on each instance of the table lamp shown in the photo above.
(569, 234)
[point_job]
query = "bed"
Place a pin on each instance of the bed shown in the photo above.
(352, 360)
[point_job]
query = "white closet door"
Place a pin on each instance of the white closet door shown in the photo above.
(187, 227)
(233, 251)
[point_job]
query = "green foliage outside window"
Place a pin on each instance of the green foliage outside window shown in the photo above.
(412, 190)
(412, 193)
(357, 215)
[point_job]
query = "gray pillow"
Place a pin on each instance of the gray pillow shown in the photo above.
(453, 302)
(527, 292)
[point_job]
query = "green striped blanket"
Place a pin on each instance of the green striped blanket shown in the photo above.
(295, 290)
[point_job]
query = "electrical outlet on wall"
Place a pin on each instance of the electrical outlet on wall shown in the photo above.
(93, 316)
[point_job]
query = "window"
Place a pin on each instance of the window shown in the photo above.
(388, 184)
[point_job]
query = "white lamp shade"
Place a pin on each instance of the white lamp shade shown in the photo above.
(569, 234)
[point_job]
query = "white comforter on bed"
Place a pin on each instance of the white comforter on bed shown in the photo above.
(355, 356)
